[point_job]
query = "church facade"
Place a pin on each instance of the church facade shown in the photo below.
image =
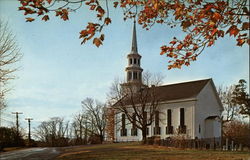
(189, 109)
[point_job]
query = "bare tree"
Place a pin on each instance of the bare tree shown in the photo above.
(53, 132)
(9, 55)
(140, 106)
(150, 79)
(96, 112)
(81, 127)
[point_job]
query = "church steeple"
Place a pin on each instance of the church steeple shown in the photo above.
(134, 70)
(134, 40)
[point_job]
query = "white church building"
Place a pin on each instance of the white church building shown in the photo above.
(191, 109)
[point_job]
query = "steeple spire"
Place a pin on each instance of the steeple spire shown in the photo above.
(133, 69)
(134, 41)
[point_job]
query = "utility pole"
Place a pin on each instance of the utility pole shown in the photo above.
(17, 122)
(29, 119)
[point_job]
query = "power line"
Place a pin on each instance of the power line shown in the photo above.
(6, 120)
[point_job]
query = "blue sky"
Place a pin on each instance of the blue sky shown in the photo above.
(56, 72)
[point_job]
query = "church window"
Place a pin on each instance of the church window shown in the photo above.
(134, 121)
(123, 129)
(182, 128)
(157, 118)
(169, 117)
(138, 61)
(140, 75)
(157, 129)
(182, 117)
(169, 128)
(147, 131)
(199, 128)
(134, 60)
(134, 129)
(135, 75)
(130, 60)
(123, 121)
(129, 76)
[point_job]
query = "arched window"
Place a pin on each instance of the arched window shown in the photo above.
(129, 76)
(130, 60)
(134, 75)
(134, 60)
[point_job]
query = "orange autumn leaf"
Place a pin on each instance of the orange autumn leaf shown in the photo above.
(49, 1)
(216, 16)
(107, 20)
(194, 58)
(188, 54)
(210, 43)
(233, 30)
(162, 52)
(240, 42)
(45, 18)
(245, 26)
(172, 42)
(97, 42)
(214, 31)
(187, 63)
(179, 47)
(100, 10)
(83, 33)
(29, 19)
(195, 47)
(102, 37)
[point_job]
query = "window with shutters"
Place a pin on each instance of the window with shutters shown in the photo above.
(157, 118)
(182, 128)
(169, 128)
(157, 129)
(123, 129)
(182, 117)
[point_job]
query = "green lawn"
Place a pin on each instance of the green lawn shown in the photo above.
(135, 151)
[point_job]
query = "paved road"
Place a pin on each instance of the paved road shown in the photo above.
(31, 154)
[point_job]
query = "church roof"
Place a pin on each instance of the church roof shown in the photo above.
(180, 90)
(169, 92)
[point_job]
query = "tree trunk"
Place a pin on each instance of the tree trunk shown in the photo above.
(144, 135)
(101, 138)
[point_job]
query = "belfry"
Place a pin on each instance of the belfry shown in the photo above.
(133, 69)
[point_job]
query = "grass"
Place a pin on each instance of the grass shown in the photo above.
(136, 151)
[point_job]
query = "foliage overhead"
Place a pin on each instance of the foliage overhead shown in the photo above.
(202, 21)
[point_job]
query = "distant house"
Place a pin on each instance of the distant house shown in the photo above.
(191, 109)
